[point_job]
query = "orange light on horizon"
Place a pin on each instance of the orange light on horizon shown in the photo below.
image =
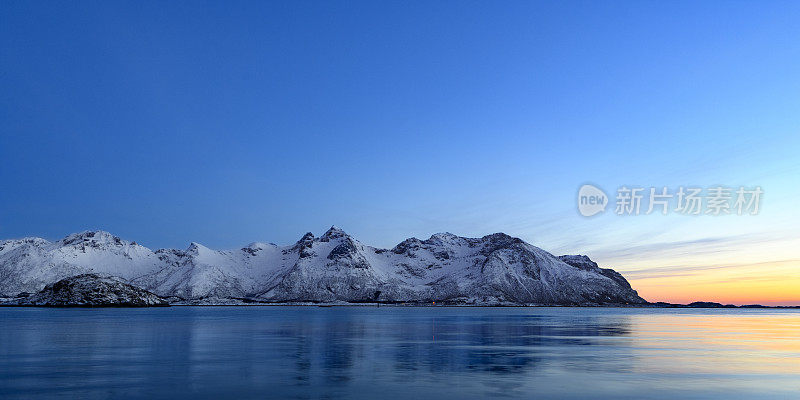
(773, 283)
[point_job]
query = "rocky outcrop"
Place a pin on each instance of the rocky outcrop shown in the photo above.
(92, 290)
(586, 264)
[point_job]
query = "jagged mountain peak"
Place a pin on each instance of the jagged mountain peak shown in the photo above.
(307, 238)
(500, 237)
(444, 237)
(96, 237)
(447, 240)
(26, 240)
(25, 245)
(333, 233)
(197, 249)
(407, 245)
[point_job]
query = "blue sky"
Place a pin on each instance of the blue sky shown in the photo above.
(229, 122)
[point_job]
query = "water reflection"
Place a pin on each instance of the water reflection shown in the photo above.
(359, 352)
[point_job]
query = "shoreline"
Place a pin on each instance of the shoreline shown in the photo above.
(379, 305)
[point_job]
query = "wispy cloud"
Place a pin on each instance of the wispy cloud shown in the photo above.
(671, 271)
(684, 247)
(696, 253)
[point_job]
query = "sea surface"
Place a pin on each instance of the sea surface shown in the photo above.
(281, 352)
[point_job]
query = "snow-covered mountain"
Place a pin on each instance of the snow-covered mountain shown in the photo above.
(494, 269)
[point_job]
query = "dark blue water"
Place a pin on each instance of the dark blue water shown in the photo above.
(390, 352)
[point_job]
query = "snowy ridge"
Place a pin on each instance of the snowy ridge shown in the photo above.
(335, 267)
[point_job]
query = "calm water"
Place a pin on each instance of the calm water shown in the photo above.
(367, 353)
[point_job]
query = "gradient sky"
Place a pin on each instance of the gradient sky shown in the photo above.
(231, 122)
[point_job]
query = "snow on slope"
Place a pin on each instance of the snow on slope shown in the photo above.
(27, 265)
(494, 269)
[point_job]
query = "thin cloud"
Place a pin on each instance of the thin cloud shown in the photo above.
(684, 270)
(711, 245)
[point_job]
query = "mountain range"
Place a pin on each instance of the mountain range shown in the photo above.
(495, 269)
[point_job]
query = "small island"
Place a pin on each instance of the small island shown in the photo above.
(92, 290)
